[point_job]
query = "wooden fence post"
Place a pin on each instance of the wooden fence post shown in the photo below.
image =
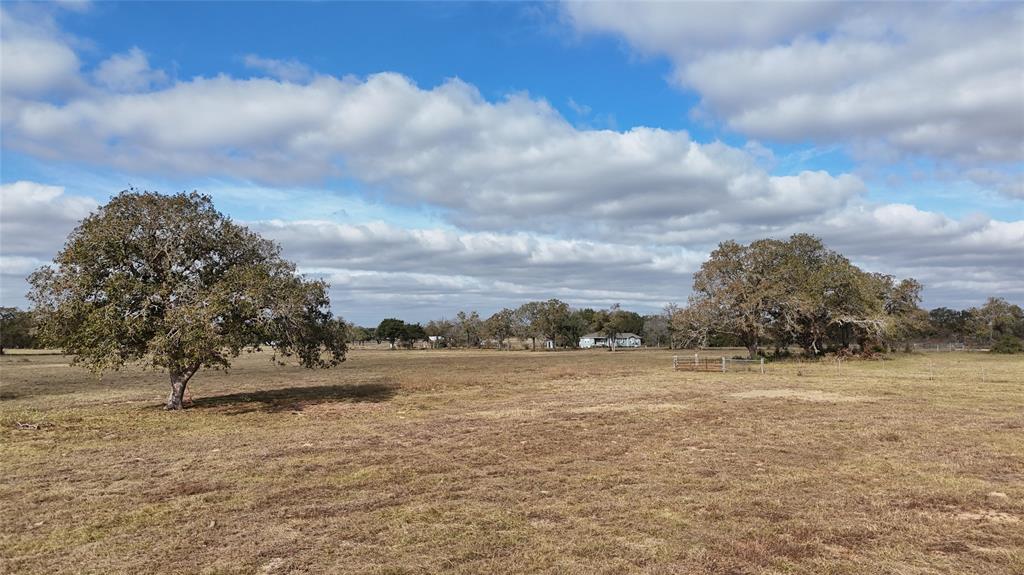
(762, 366)
(723, 364)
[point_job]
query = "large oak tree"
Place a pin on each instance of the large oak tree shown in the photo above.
(169, 282)
(797, 292)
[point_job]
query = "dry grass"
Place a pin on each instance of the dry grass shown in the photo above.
(490, 462)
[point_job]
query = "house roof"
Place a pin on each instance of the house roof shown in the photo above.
(596, 334)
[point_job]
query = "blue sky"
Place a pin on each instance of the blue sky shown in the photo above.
(431, 157)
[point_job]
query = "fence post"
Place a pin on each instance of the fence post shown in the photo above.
(762, 366)
(675, 363)
(723, 364)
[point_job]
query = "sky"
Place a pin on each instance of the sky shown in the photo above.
(426, 158)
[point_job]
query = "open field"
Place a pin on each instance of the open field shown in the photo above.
(517, 462)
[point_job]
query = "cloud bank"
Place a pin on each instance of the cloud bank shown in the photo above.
(529, 205)
(945, 80)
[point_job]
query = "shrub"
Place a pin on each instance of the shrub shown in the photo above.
(1008, 344)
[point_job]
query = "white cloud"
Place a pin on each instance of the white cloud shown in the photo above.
(35, 218)
(287, 70)
(944, 80)
(128, 72)
(679, 28)
(489, 164)
(1008, 183)
(34, 60)
(529, 257)
(34, 221)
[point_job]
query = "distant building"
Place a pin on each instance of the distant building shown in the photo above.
(600, 340)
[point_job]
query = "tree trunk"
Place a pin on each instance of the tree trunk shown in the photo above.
(752, 350)
(179, 380)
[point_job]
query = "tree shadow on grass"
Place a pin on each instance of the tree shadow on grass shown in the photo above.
(296, 398)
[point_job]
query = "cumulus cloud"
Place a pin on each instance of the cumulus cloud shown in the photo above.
(128, 72)
(34, 220)
(1007, 183)
(34, 60)
(541, 261)
(490, 164)
(426, 273)
(945, 80)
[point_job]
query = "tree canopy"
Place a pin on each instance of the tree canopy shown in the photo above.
(796, 292)
(170, 282)
(17, 329)
(395, 331)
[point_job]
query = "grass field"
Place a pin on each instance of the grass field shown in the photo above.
(517, 462)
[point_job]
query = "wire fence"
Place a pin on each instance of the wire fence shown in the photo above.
(723, 364)
(947, 347)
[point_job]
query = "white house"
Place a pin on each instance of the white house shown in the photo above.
(600, 340)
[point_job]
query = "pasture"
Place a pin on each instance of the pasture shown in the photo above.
(517, 462)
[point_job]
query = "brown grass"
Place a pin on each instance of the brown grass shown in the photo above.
(517, 462)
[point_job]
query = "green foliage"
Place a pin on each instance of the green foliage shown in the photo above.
(500, 326)
(1008, 343)
(615, 320)
(414, 332)
(527, 321)
(551, 318)
(17, 329)
(949, 324)
(359, 334)
(169, 282)
(468, 328)
(995, 320)
(391, 330)
(574, 326)
(397, 331)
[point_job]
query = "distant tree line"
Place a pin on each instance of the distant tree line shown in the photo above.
(998, 325)
(768, 296)
(535, 322)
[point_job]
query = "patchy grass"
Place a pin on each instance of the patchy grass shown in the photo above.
(517, 462)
